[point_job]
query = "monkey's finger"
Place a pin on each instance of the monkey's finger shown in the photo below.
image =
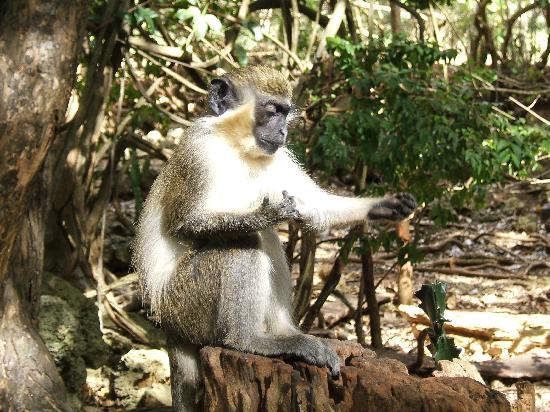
(382, 212)
(407, 199)
(391, 202)
(292, 201)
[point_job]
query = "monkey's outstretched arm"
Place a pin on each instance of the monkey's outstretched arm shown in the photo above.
(320, 209)
(208, 225)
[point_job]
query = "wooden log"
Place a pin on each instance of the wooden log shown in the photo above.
(235, 381)
(492, 326)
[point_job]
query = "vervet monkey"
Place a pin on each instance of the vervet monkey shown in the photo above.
(210, 262)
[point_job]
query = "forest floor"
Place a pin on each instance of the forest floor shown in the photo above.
(494, 262)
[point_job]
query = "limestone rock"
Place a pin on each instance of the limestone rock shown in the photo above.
(69, 326)
(458, 368)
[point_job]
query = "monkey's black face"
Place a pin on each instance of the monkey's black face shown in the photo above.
(270, 112)
(270, 129)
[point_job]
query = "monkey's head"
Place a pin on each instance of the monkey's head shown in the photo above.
(252, 107)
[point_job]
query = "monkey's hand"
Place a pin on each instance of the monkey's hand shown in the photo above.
(397, 207)
(283, 210)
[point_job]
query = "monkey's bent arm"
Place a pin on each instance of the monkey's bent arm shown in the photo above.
(210, 224)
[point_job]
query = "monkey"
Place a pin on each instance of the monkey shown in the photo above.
(210, 262)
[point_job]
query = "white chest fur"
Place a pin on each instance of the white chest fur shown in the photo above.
(238, 184)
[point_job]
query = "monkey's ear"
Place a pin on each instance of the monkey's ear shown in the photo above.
(222, 95)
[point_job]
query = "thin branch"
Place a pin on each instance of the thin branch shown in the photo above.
(225, 53)
(141, 43)
(172, 73)
(293, 56)
(306, 11)
(510, 26)
(150, 100)
(529, 110)
(332, 26)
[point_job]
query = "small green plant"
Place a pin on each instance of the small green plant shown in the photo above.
(433, 299)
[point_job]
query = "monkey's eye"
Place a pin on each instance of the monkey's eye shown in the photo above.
(272, 109)
(276, 109)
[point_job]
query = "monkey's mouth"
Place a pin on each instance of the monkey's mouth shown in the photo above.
(269, 146)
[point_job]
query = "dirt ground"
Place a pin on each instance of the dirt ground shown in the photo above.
(507, 238)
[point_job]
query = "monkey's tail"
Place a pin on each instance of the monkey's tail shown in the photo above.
(184, 375)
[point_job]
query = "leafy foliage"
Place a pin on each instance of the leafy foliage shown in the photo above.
(414, 130)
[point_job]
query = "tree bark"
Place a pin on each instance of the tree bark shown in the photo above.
(235, 381)
(39, 44)
(405, 277)
(395, 17)
(485, 32)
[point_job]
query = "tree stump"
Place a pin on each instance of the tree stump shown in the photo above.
(236, 381)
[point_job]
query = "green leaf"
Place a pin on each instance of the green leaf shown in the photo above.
(143, 14)
(241, 54)
(213, 22)
(433, 300)
(255, 29)
(445, 349)
(186, 14)
(200, 27)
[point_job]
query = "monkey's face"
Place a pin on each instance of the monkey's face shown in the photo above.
(270, 126)
(252, 107)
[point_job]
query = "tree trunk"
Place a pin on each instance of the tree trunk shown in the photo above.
(405, 278)
(39, 43)
(234, 381)
(395, 13)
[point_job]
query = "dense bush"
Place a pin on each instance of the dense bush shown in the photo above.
(414, 129)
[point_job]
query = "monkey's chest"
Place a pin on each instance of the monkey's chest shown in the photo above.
(235, 188)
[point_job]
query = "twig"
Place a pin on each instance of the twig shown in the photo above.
(172, 73)
(134, 140)
(529, 110)
(169, 51)
(331, 281)
(225, 53)
(420, 353)
(461, 272)
(151, 101)
(123, 321)
(533, 266)
(292, 55)
(385, 274)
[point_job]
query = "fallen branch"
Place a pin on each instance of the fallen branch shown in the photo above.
(461, 272)
(529, 110)
(509, 327)
(534, 266)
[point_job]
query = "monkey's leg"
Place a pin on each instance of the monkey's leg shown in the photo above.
(184, 375)
(247, 293)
